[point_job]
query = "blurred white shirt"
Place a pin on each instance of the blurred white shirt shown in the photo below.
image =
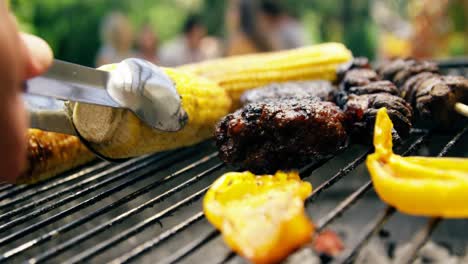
(177, 52)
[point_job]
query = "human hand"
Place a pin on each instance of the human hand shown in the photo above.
(22, 56)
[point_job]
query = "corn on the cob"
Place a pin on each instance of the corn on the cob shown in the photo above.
(240, 73)
(52, 153)
(117, 133)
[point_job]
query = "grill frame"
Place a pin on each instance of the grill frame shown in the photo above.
(107, 179)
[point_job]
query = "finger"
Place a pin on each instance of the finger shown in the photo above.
(39, 55)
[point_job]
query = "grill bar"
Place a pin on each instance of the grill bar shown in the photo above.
(452, 142)
(370, 230)
(338, 176)
(109, 207)
(5, 186)
(191, 247)
(420, 238)
(104, 226)
(14, 190)
(90, 201)
(356, 195)
(79, 188)
(54, 184)
(155, 219)
(148, 245)
(343, 206)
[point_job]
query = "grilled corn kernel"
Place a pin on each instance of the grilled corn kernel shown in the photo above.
(52, 153)
(117, 133)
(240, 73)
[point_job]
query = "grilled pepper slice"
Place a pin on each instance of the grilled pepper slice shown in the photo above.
(425, 186)
(261, 217)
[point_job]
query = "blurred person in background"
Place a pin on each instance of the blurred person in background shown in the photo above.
(211, 47)
(245, 33)
(148, 44)
(22, 56)
(260, 26)
(186, 48)
(117, 39)
(287, 31)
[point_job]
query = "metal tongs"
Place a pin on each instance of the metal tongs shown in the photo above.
(134, 84)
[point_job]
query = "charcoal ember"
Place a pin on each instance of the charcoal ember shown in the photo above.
(280, 134)
(356, 63)
(328, 243)
(361, 111)
(436, 97)
(375, 87)
(408, 90)
(358, 77)
(320, 89)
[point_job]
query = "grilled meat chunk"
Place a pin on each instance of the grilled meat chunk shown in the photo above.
(400, 70)
(432, 95)
(408, 90)
(361, 111)
(356, 63)
(371, 88)
(321, 89)
(280, 134)
(358, 77)
(435, 98)
(375, 87)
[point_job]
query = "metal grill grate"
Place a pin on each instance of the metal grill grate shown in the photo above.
(149, 208)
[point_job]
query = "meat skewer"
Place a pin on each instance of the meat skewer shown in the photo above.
(362, 93)
(461, 109)
(435, 98)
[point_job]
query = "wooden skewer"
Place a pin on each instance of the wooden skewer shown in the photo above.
(461, 108)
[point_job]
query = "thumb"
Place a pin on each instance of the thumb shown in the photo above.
(39, 55)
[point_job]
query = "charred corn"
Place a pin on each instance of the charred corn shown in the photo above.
(240, 73)
(118, 133)
(52, 153)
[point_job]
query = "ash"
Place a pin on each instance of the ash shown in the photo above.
(379, 251)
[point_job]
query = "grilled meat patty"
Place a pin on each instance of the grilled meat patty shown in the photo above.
(323, 90)
(280, 134)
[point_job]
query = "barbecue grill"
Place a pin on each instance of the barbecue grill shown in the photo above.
(148, 209)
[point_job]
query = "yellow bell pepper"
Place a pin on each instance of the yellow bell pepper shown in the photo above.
(426, 186)
(261, 217)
